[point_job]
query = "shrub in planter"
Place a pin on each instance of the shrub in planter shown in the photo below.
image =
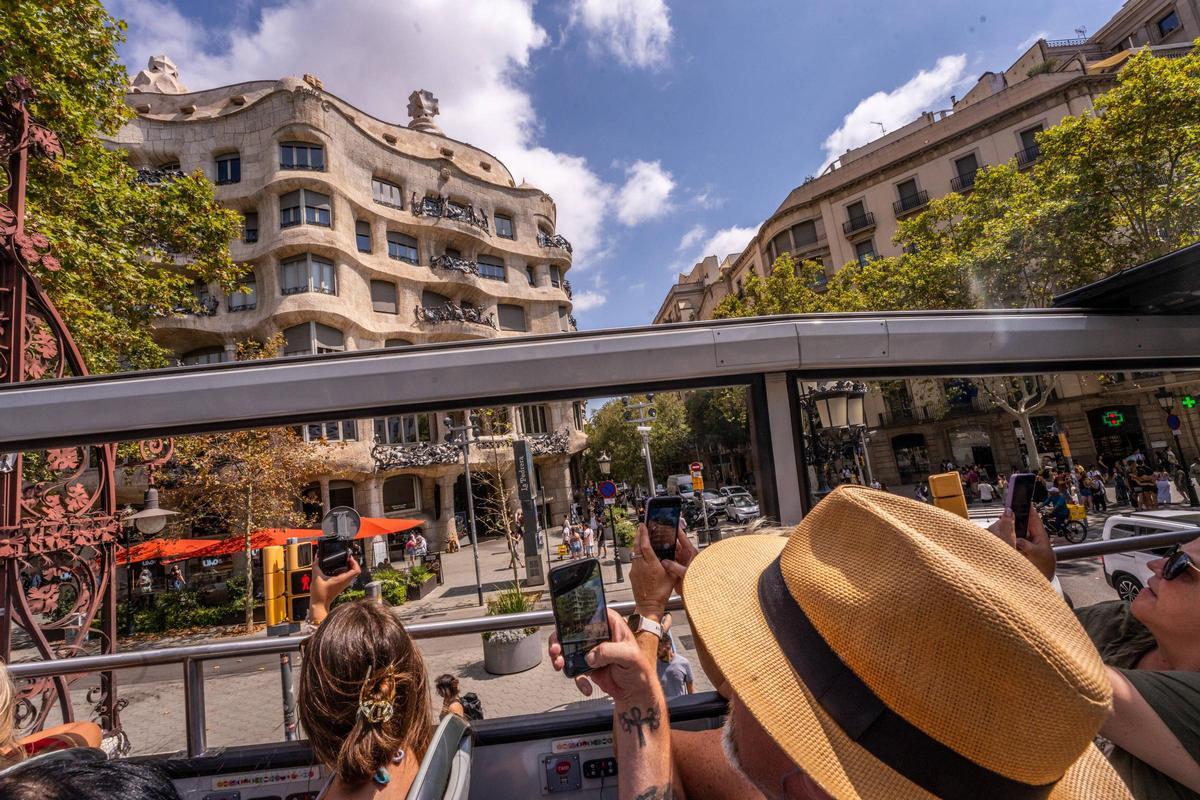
(420, 580)
(510, 651)
(626, 539)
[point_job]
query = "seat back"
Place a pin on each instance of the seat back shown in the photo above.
(63, 758)
(445, 772)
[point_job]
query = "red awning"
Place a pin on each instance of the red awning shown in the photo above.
(164, 549)
(279, 536)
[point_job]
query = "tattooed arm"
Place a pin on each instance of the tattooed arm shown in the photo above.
(641, 729)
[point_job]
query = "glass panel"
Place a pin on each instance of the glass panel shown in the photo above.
(330, 339)
(295, 276)
(297, 340)
(907, 190)
(781, 244)
(555, 276)
(387, 193)
(512, 317)
(316, 208)
(530, 276)
(242, 301)
(804, 234)
(402, 247)
(324, 277)
(316, 157)
(250, 227)
(289, 209)
(492, 268)
(856, 210)
(1029, 137)
(504, 226)
(362, 236)
(967, 165)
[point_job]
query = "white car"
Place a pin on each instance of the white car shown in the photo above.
(741, 508)
(1127, 572)
(730, 491)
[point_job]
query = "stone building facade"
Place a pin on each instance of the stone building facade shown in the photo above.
(365, 234)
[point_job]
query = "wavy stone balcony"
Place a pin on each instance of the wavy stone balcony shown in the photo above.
(441, 207)
(450, 312)
(555, 241)
(454, 264)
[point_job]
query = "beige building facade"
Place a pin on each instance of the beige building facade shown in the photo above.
(850, 212)
(363, 234)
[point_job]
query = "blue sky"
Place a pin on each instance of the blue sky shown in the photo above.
(665, 130)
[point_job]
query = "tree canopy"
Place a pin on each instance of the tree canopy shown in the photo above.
(129, 251)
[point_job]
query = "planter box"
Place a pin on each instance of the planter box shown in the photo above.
(417, 592)
(625, 554)
(507, 658)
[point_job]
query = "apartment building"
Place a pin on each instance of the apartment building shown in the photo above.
(364, 234)
(849, 213)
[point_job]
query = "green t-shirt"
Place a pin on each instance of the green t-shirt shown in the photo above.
(1174, 696)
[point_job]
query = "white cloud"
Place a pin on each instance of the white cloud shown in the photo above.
(895, 108)
(1030, 41)
(694, 234)
(473, 60)
(586, 301)
(707, 200)
(636, 32)
(722, 243)
(646, 194)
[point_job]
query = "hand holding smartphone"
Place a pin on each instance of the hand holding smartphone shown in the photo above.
(580, 612)
(1019, 498)
(662, 521)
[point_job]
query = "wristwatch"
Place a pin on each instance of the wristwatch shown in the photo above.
(638, 623)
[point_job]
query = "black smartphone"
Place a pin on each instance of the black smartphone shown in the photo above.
(334, 556)
(1019, 497)
(580, 611)
(662, 520)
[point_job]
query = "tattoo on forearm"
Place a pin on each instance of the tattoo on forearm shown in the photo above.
(656, 793)
(635, 718)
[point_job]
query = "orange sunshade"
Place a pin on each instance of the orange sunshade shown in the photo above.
(165, 549)
(279, 536)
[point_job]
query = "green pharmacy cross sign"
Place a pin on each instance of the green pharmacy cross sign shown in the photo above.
(1114, 419)
(1187, 401)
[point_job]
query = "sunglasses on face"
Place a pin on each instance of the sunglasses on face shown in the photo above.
(1178, 562)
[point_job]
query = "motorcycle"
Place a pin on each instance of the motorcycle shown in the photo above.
(1073, 530)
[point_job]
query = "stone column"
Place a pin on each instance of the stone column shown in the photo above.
(439, 531)
(324, 482)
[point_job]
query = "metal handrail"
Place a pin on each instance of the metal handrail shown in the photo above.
(1148, 541)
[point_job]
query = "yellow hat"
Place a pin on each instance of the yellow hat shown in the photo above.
(894, 650)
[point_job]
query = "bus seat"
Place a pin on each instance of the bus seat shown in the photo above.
(60, 737)
(445, 772)
(65, 759)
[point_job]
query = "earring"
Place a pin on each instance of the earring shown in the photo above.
(381, 776)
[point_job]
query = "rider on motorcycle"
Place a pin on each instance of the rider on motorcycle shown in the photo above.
(1058, 506)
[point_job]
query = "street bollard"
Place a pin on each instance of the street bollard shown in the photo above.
(374, 591)
(290, 732)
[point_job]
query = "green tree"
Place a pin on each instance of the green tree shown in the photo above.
(129, 251)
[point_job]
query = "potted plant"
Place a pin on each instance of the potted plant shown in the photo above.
(626, 538)
(510, 651)
(421, 581)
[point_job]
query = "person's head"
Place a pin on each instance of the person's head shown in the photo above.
(363, 692)
(55, 779)
(665, 651)
(446, 686)
(1054, 491)
(1171, 608)
(967, 661)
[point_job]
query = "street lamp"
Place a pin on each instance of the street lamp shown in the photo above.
(839, 407)
(605, 469)
(461, 436)
(149, 521)
(1166, 401)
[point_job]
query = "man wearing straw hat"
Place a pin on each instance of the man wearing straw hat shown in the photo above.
(884, 649)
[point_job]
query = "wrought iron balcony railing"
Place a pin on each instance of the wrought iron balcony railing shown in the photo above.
(153, 177)
(911, 202)
(566, 287)
(963, 182)
(206, 306)
(455, 264)
(1028, 156)
(420, 454)
(547, 240)
(574, 322)
(856, 224)
(451, 312)
(441, 207)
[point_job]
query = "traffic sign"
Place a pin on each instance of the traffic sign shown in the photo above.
(300, 582)
(1172, 422)
(696, 466)
(608, 489)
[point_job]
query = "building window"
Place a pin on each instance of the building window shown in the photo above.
(362, 236)
(555, 277)
(431, 299)
(229, 169)
(564, 319)
(308, 273)
(388, 194)
(401, 493)
(250, 227)
(344, 430)
(1168, 24)
(203, 355)
(910, 196)
(404, 429)
(309, 338)
(383, 297)
(534, 420)
(1030, 149)
(529, 274)
(512, 318)
(402, 247)
(316, 208)
(504, 226)
(492, 268)
(301, 155)
(247, 299)
(578, 408)
(397, 343)
(964, 172)
(782, 243)
(864, 252)
(804, 234)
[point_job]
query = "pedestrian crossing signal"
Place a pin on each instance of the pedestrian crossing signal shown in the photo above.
(298, 607)
(300, 583)
(273, 585)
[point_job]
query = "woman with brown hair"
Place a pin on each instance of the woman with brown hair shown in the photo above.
(364, 697)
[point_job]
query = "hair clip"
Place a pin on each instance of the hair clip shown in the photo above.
(376, 695)
(375, 711)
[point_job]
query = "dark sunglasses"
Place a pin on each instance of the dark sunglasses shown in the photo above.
(1178, 563)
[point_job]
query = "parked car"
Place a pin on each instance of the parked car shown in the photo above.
(741, 508)
(1127, 573)
(679, 485)
(730, 491)
(714, 501)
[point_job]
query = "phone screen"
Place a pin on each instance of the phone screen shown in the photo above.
(580, 611)
(334, 556)
(1020, 496)
(662, 521)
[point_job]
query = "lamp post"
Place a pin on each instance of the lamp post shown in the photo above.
(149, 521)
(1166, 402)
(461, 436)
(644, 430)
(605, 469)
(839, 407)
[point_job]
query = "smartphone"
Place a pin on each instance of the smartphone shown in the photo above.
(580, 611)
(662, 520)
(334, 556)
(1019, 497)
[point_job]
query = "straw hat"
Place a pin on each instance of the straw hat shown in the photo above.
(963, 669)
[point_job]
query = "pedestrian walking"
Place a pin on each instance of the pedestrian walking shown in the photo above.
(178, 581)
(575, 544)
(410, 551)
(589, 541)
(1163, 483)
